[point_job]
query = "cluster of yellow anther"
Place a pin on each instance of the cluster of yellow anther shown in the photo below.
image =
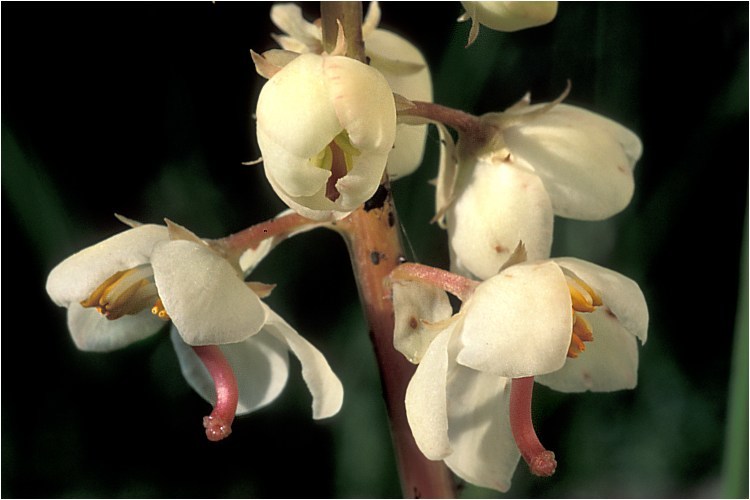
(584, 300)
(127, 292)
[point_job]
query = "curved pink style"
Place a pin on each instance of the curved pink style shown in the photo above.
(219, 423)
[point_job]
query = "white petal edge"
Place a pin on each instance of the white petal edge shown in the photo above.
(619, 293)
(609, 363)
(416, 308)
(295, 108)
(511, 16)
(73, 280)
(288, 18)
(93, 332)
(363, 102)
(495, 208)
(203, 294)
(426, 400)
(260, 364)
(585, 160)
(484, 451)
(324, 385)
(295, 176)
(518, 323)
(382, 46)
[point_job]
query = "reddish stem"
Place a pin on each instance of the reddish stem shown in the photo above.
(219, 423)
(541, 461)
(251, 237)
(459, 286)
(371, 232)
(461, 121)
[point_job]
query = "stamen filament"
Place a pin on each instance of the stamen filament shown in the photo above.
(459, 286)
(219, 423)
(541, 461)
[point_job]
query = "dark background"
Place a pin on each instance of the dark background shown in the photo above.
(145, 109)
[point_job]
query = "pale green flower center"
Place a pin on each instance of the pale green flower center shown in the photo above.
(325, 158)
(338, 157)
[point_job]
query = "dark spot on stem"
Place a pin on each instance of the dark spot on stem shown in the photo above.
(375, 257)
(413, 323)
(378, 199)
(391, 219)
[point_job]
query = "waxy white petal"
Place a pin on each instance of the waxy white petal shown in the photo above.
(620, 294)
(518, 323)
(354, 188)
(585, 160)
(426, 399)
(92, 331)
(324, 385)
(407, 73)
(260, 364)
(203, 295)
(445, 184)
(302, 108)
(75, 278)
(497, 206)
(290, 173)
(609, 363)
(295, 109)
(484, 451)
(510, 16)
(288, 18)
(416, 308)
(363, 102)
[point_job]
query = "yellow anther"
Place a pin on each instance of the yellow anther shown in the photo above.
(582, 329)
(581, 333)
(580, 299)
(595, 299)
(125, 292)
(159, 311)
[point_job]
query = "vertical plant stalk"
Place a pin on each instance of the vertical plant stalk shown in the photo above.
(375, 249)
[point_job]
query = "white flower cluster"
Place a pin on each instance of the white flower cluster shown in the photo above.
(330, 128)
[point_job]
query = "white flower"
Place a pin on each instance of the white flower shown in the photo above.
(142, 272)
(507, 16)
(571, 324)
(400, 62)
(325, 126)
(261, 365)
(122, 290)
(542, 160)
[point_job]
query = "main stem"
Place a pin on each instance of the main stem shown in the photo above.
(375, 249)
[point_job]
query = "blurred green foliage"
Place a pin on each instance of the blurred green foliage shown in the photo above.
(146, 110)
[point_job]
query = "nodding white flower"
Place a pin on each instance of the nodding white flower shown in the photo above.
(142, 277)
(540, 161)
(569, 323)
(400, 62)
(126, 287)
(506, 16)
(325, 126)
(261, 365)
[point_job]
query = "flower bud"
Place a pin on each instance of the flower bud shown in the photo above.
(507, 16)
(325, 126)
